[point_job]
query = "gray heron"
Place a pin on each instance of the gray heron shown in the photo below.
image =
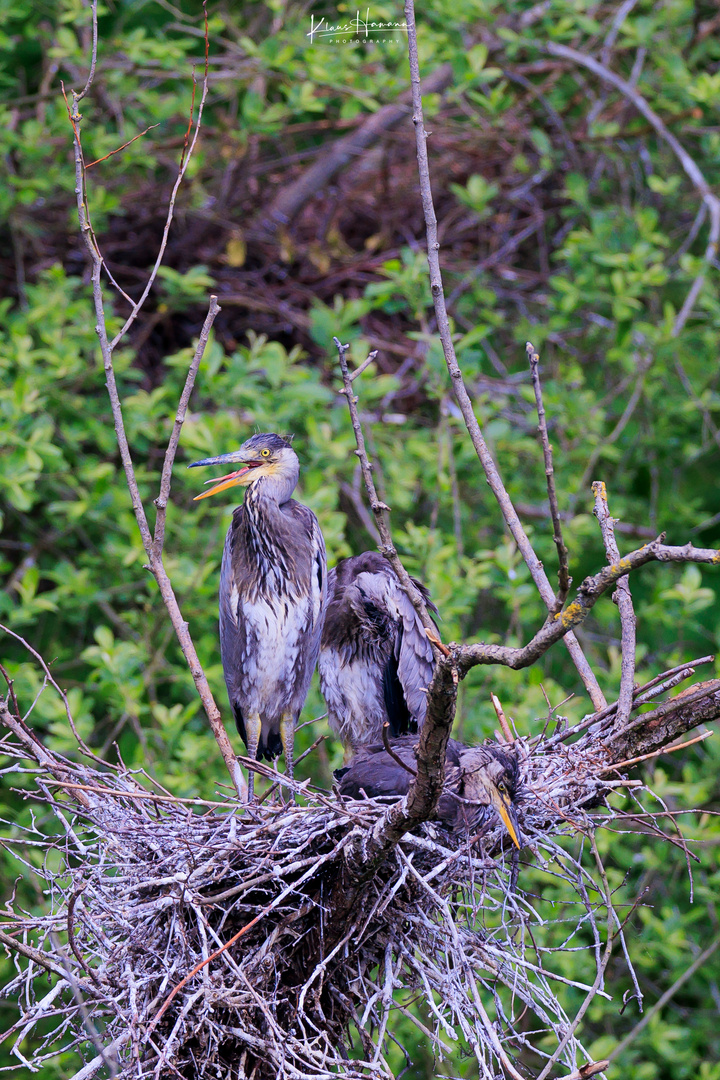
(272, 596)
(376, 662)
(476, 778)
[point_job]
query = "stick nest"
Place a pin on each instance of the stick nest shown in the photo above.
(145, 893)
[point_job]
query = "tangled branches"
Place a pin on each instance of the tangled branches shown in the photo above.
(204, 939)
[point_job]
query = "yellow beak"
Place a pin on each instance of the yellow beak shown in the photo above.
(242, 476)
(507, 815)
(223, 482)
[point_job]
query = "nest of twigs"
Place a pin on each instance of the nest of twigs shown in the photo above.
(193, 939)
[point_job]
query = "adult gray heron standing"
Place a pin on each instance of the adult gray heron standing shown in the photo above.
(476, 778)
(272, 596)
(376, 662)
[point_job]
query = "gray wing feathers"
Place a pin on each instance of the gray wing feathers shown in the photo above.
(414, 655)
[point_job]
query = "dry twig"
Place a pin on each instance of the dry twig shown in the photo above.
(564, 578)
(623, 599)
(459, 389)
(152, 544)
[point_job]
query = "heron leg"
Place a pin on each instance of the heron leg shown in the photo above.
(253, 729)
(287, 738)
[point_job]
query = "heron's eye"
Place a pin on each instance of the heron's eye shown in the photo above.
(502, 787)
(265, 453)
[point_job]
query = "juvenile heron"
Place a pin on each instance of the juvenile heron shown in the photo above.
(476, 777)
(272, 596)
(376, 662)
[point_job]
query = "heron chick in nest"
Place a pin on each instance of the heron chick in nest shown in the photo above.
(476, 778)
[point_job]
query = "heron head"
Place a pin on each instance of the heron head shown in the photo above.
(490, 778)
(263, 455)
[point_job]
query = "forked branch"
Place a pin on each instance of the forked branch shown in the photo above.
(590, 591)
(152, 544)
(460, 390)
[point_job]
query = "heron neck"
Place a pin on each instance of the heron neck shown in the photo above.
(275, 490)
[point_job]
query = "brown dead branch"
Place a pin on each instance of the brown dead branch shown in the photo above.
(291, 199)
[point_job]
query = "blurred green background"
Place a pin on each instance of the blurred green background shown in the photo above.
(563, 220)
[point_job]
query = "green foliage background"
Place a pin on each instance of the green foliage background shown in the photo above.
(616, 259)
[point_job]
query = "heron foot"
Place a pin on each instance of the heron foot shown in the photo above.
(253, 730)
(287, 738)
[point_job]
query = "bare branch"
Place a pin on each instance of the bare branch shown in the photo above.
(379, 508)
(623, 599)
(564, 578)
(93, 58)
(576, 612)
(502, 719)
(48, 675)
(389, 750)
(667, 996)
(155, 562)
(656, 753)
(459, 389)
(185, 161)
(688, 164)
(166, 479)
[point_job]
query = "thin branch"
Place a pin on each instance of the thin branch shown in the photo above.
(363, 367)
(379, 508)
(564, 578)
(185, 161)
(166, 479)
(502, 719)
(656, 753)
(391, 753)
(12, 697)
(33, 652)
(592, 588)
(688, 164)
(93, 59)
(459, 389)
(623, 599)
(123, 147)
(39, 957)
(662, 1001)
(155, 562)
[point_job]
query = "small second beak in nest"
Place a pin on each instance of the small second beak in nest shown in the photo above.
(506, 810)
